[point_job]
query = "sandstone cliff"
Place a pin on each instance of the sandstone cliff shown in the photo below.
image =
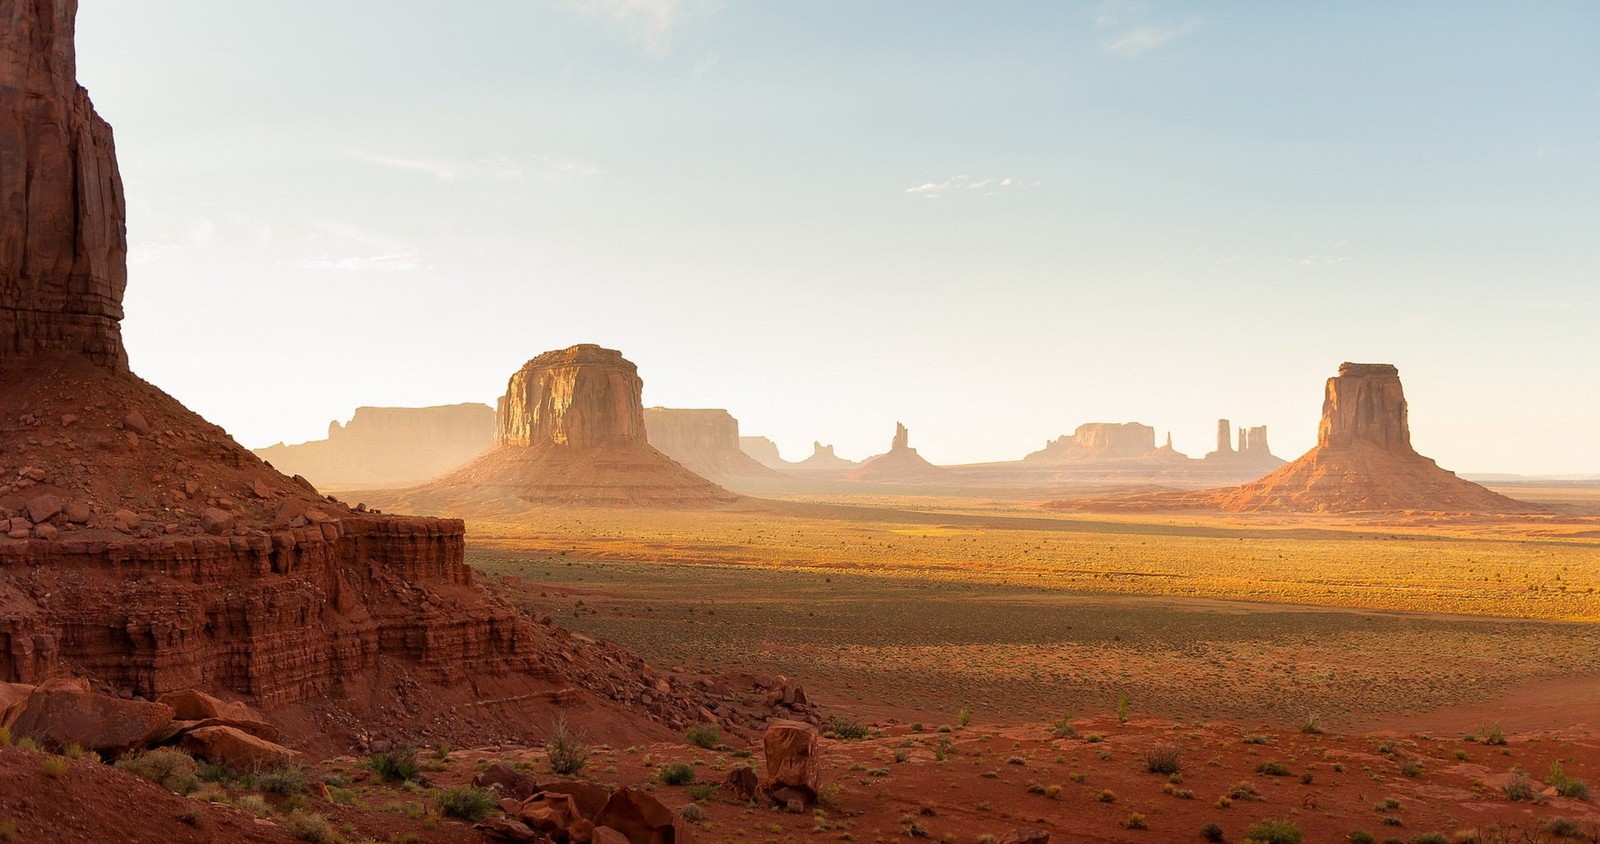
(763, 451)
(146, 550)
(1097, 442)
(1252, 453)
(900, 464)
(571, 431)
(389, 446)
(705, 442)
(1363, 462)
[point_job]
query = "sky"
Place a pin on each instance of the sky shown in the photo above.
(992, 221)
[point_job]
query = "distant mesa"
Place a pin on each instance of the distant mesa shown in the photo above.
(1102, 442)
(763, 451)
(389, 446)
(1363, 462)
(822, 465)
(824, 462)
(705, 442)
(900, 464)
(571, 430)
(1252, 451)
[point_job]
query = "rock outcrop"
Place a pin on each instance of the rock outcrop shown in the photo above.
(764, 451)
(704, 441)
(570, 430)
(900, 464)
(1252, 452)
(63, 253)
(146, 551)
(1100, 442)
(389, 446)
(1363, 462)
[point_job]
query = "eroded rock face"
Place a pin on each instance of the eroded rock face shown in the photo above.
(389, 446)
(704, 441)
(1096, 442)
(764, 451)
(571, 431)
(1365, 406)
(577, 397)
(793, 760)
(900, 464)
(63, 252)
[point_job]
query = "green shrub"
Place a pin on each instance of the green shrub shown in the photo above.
(847, 730)
(1565, 785)
(1491, 735)
(1561, 827)
(567, 748)
(1272, 768)
(308, 826)
(54, 767)
(1274, 831)
(1361, 836)
(1310, 725)
(1134, 821)
(286, 780)
(253, 804)
(692, 812)
(1517, 787)
(167, 767)
(1412, 768)
(675, 773)
(704, 735)
(398, 765)
(1244, 790)
(1211, 832)
(1256, 739)
(466, 803)
(1430, 838)
(964, 717)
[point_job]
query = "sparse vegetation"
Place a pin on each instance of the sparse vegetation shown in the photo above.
(675, 773)
(848, 730)
(1211, 832)
(1518, 787)
(1163, 759)
(167, 767)
(1274, 831)
(1134, 821)
(567, 749)
(397, 765)
(309, 826)
(1272, 768)
(465, 802)
(1566, 786)
(704, 734)
(285, 780)
(54, 767)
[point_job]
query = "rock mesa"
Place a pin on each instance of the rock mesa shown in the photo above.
(389, 446)
(705, 442)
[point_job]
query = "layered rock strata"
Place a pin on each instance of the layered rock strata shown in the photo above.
(704, 441)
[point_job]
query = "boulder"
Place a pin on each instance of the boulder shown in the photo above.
(589, 797)
(793, 760)
(43, 508)
(506, 780)
(551, 814)
(1024, 835)
(62, 712)
(235, 749)
(742, 783)
(641, 819)
(207, 711)
(505, 829)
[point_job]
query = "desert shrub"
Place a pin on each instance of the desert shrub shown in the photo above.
(1035, 788)
(986, 838)
(675, 773)
(692, 812)
(1274, 831)
(465, 802)
(1122, 709)
(253, 804)
(1565, 785)
(847, 730)
(1243, 790)
(1430, 838)
(1256, 738)
(27, 743)
(1134, 821)
(167, 767)
(194, 816)
(1311, 726)
(1387, 804)
(1393, 821)
(1272, 768)
(1561, 827)
(964, 717)
(1052, 791)
(398, 765)
(1412, 768)
(567, 748)
(73, 750)
(1077, 776)
(702, 791)
(704, 735)
(5, 737)
(1063, 729)
(918, 727)
(285, 780)
(309, 826)
(1107, 796)
(1016, 760)
(1162, 760)
(8, 831)
(1361, 836)
(1211, 832)
(1517, 787)
(54, 767)
(1491, 735)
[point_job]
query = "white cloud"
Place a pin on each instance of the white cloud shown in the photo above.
(986, 185)
(1137, 33)
(1142, 39)
(648, 23)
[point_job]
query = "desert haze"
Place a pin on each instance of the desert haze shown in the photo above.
(609, 541)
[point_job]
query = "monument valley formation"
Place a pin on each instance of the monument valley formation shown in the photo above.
(608, 623)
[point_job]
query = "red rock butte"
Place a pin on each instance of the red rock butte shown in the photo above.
(705, 441)
(1363, 462)
(571, 430)
(145, 550)
(900, 464)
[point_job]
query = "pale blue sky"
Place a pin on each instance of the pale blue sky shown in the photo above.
(992, 221)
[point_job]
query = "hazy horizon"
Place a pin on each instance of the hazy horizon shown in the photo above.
(990, 222)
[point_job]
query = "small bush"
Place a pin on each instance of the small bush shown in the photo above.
(692, 812)
(1567, 786)
(167, 767)
(1064, 729)
(194, 816)
(1256, 739)
(704, 735)
(675, 773)
(1310, 726)
(1430, 838)
(55, 767)
(253, 804)
(398, 765)
(1517, 787)
(1361, 836)
(702, 791)
(1272, 768)
(964, 717)
(1492, 735)
(567, 748)
(286, 780)
(308, 826)
(1273, 831)
(465, 802)
(1412, 768)
(848, 730)
(1244, 790)
(1107, 796)
(1162, 760)
(1211, 832)
(1134, 821)
(1561, 827)
(5, 737)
